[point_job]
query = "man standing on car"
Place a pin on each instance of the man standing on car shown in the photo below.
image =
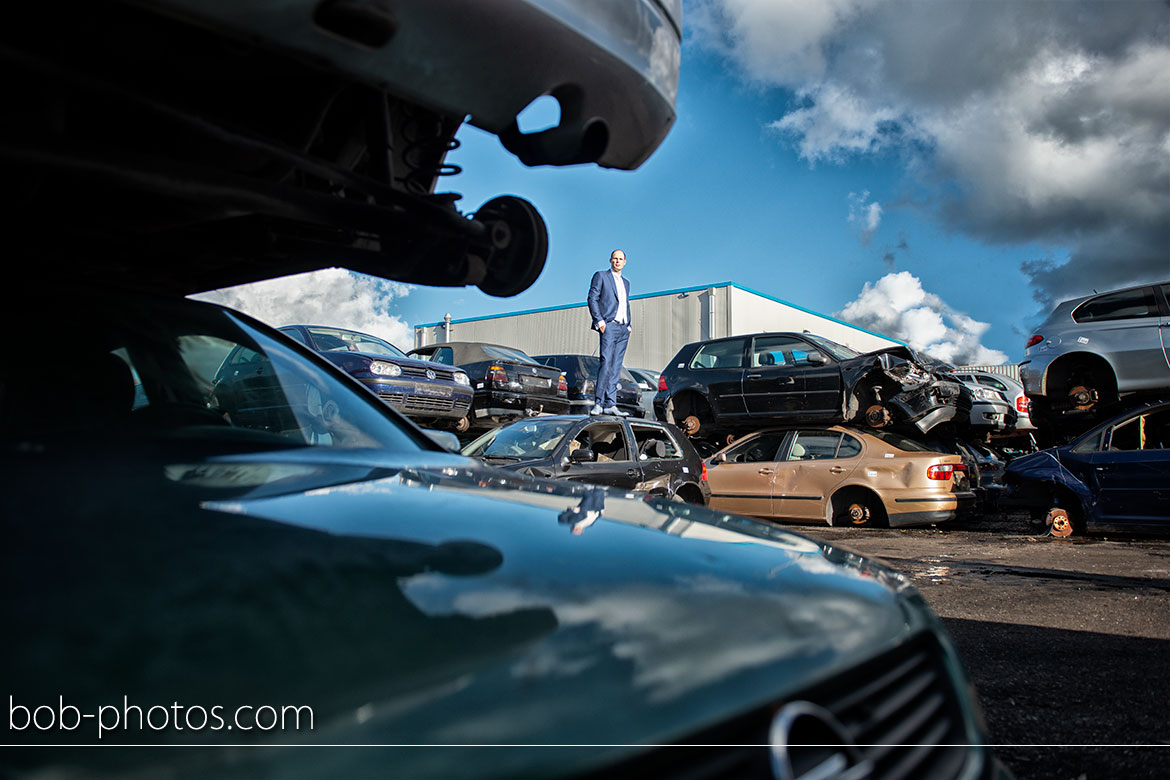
(609, 306)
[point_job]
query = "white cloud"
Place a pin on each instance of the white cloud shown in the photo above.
(864, 216)
(897, 306)
(1044, 121)
(333, 296)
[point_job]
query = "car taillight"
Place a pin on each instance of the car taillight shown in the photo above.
(703, 476)
(1023, 405)
(661, 383)
(562, 384)
(944, 470)
(1036, 339)
(497, 376)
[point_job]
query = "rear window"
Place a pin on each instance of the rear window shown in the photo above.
(507, 353)
(719, 354)
(900, 442)
(1122, 305)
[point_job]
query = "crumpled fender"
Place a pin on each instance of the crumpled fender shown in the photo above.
(1029, 479)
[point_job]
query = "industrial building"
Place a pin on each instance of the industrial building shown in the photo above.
(663, 322)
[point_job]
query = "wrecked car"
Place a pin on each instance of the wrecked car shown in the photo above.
(1114, 477)
(1093, 351)
(581, 376)
(725, 387)
(635, 455)
(840, 476)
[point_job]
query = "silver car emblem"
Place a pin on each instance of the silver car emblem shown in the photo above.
(430, 373)
(808, 743)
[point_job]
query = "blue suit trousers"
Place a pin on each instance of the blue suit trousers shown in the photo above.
(613, 351)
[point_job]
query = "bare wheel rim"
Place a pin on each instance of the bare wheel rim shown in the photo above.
(1059, 523)
(857, 513)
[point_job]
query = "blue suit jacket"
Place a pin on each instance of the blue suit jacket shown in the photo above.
(603, 298)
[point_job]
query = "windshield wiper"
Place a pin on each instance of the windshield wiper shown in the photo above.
(501, 457)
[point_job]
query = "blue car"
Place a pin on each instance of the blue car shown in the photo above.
(1116, 476)
(431, 395)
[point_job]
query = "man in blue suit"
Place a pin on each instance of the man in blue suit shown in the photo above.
(609, 306)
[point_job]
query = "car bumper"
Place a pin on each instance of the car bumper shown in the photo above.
(991, 416)
(622, 63)
(928, 510)
(422, 399)
(501, 404)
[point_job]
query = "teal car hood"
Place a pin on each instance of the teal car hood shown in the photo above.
(435, 604)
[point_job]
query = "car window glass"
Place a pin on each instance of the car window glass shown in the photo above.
(607, 441)
(1144, 432)
(992, 382)
(832, 348)
(814, 445)
(1119, 305)
(654, 443)
(337, 340)
(294, 334)
(189, 372)
(901, 442)
(775, 350)
(758, 449)
(507, 353)
(850, 447)
(719, 354)
(522, 440)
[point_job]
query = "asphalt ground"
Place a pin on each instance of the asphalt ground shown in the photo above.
(1066, 640)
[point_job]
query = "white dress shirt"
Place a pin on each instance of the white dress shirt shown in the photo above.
(621, 293)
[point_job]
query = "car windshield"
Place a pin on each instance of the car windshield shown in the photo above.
(183, 370)
(838, 351)
(507, 353)
(522, 440)
(337, 340)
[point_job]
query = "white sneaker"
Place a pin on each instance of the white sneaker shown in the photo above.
(615, 411)
(596, 410)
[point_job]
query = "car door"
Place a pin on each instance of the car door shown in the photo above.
(719, 366)
(1132, 474)
(812, 466)
(1164, 329)
(614, 464)
(773, 385)
(659, 456)
(740, 477)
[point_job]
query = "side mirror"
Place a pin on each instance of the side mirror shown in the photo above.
(444, 439)
(816, 358)
(583, 455)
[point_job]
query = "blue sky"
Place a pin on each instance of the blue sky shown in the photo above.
(937, 171)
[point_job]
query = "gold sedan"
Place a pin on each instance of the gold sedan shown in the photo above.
(842, 476)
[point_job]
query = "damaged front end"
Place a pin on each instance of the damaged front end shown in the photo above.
(893, 387)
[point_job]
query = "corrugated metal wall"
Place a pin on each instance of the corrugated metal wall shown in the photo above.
(753, 313)
(1010, 370)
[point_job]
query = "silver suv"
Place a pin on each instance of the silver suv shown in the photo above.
(1095, 349)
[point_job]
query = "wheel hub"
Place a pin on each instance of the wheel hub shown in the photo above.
(1081, 397)
(858, 514)
(876, 416)
(1059, 523)
(691, 425)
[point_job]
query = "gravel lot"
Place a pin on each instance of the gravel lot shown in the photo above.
(1065, 639)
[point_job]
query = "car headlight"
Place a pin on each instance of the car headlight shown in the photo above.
(461, 379)
(382, 368)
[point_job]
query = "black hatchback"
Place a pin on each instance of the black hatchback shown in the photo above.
(637, 455)
(581, 378)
